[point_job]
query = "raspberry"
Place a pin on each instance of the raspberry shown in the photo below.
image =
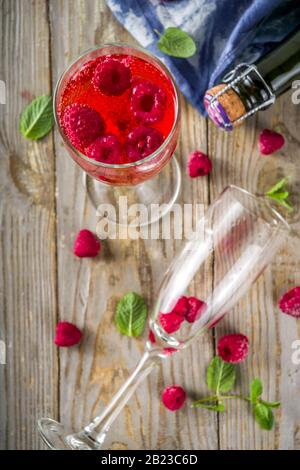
(112, 77)
(142, 141)
(151, 337)
(199, 164)
(171, 321)
(148, 102)
(67, 334)
(86, 245)
(82, 125)
(106, 148)
(195, 308)
(181, 306)
(169, 351)
(233, 348)
(270, 141)
(173, 397)
(290, 302)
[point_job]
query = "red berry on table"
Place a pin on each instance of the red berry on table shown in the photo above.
(233, 348)
(173, 397)
(142, 141)
(86, 244)
(112, 77)
(199, 164)
(82, 125)
(105, 149)
(148, 102)
(289, 303)
(270, 141)
(67, 334)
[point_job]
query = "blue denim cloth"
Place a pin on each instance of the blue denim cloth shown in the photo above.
(226, 32)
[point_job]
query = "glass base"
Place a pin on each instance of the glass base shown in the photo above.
(138, 205)
(57, 437)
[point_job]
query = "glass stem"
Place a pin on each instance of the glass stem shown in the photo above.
(99, 427)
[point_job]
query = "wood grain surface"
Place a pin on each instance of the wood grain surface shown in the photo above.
(44, 204)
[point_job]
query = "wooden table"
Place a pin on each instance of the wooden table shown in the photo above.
(44, 205)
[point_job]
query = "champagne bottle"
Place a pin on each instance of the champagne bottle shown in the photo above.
(251, 88)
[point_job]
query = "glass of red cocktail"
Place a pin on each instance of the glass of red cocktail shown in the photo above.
(117, 110)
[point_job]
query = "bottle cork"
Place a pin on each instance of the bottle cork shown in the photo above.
(226, 109)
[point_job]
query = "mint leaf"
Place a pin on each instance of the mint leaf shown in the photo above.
(256, 390)
(286, 204)
(279, 194)
(131, 314)
(264, 416)
(177, 43)
(276, 188)
(218, 407)
(37, 118)
(220, 376)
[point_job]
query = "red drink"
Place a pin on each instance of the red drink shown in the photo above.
(117, 110)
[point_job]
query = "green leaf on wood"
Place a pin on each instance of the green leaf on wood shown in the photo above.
(131, 314)
(256, 390)
(264, 416)
(279, 194)
(37, 118)
(220, 376)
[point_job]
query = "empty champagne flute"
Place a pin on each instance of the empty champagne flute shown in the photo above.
(237, 238)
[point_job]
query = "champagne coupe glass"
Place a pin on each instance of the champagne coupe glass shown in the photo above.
(148, 181)
(237, 237)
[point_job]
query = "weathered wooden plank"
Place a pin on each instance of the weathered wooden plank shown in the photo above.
(286, 274)
(88, 290)
(270, 333)
(28, 382)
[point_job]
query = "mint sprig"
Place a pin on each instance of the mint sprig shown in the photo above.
(131, 314)
(280, 194)
(220, 379)
(37, 118)
(176, 43)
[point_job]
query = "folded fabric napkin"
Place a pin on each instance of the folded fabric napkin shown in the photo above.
(226, 32)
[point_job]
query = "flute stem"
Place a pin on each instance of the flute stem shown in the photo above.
(99, 427)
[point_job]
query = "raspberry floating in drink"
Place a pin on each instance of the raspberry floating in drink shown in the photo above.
(148, 102)
(142, 141)
(105, 148)
(82, 125)
(112, 77)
